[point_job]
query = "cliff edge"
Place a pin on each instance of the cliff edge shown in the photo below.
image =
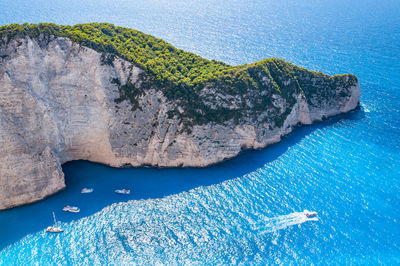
(64, 99)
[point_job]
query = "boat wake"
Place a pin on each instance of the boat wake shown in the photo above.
(284, 221)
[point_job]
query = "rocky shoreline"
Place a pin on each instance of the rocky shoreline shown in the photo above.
(58, 103)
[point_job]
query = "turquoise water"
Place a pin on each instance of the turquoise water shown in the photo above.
(243, 210)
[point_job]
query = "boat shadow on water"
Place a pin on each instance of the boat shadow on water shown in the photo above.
(144, 183)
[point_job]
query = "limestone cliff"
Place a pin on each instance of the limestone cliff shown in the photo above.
(59, 101)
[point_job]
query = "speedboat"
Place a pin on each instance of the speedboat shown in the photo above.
(71, 209)
(54, 229)
(123, 191)
(86, 190)
(309, 214)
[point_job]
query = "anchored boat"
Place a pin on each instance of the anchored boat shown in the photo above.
(87, 190)
(71, 209)
(54, 229)
(123, 191)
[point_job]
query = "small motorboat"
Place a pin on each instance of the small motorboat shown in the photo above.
(87, 190)
(71, 209)
(54, 228)
(309, 214)
(123, 191)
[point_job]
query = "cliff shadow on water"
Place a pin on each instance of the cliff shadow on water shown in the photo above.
(145, 183)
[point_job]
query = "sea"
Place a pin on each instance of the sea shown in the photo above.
(247, 210)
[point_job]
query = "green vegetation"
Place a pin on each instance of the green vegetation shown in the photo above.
(182, 75)
(158, 57)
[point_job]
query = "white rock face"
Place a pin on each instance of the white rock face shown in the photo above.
(57, 104)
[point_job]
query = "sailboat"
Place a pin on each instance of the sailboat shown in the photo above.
(54, 229)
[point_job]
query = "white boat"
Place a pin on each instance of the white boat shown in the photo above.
(123, 191)
(54, 229)
(309, 214)
(87, 190)
(71, 209)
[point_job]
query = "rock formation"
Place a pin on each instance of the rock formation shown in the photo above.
(59, 102)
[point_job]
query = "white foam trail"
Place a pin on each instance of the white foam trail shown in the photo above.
(284, 221)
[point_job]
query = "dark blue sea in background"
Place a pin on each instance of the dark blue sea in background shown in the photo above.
(243, 211)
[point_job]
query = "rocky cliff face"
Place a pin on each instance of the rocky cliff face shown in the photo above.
(60, 101)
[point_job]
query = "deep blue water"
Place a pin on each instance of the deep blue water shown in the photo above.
(243, 210)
